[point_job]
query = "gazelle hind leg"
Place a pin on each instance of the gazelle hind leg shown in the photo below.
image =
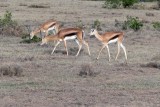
(100, 51)
(78, 46)
(118, 51)
(109, 56)
(87, 47)
(124, 49)
(55, 47)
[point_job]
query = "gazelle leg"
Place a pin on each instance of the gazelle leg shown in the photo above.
(118, 50)
(87, 47)
(55, 47)
(80, 46)
(100, 51)
(65, 45)
(109, 56)
(124, 49)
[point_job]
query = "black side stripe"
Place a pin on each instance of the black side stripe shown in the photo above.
(52, 25)
(71, 34)
(114, 37)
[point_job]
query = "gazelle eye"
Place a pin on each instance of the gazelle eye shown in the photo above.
(92, 30)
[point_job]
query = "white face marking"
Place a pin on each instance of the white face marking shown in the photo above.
(70, 37)
(113, 41)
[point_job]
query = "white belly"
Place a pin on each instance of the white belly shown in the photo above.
(113, 41)
(51, 28)
(70, 37)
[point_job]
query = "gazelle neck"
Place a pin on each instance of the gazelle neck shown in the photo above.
(36, 31)
(98, 36)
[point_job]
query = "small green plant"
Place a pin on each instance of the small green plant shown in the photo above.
(26, 39)
(112, 4)
(97, 24)
(156, 25)
(79, 24)
(9, 26)
(7, 20)
(133, 23)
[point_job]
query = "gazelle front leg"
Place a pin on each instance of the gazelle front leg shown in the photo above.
(65, 45)
(55, 47)
(109, 56)
(118, 51)
(100, 51)
(124, 49)
(87, 47)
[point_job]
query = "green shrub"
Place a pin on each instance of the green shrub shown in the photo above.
(80, 24)
(112, 4)
(26, 39)
(7, 20)
(9, 26)
(118, 3)
(133, 23)
(128, 3)
(97, 24)
(156, 25)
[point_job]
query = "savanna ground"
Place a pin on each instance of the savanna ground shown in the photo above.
(54, 81)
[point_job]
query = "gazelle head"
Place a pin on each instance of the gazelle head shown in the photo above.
(31, 35)
(44, 41)
(93, 32)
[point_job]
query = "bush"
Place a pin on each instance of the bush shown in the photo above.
(156, 25)
(112, 4)
(128, 3)
(9, 26)
(133, 23)
(118, 3)
(11, 70)
(97, 24)
(26, 39)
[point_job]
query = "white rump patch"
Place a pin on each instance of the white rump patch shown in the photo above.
(113, 41)
(70, 37)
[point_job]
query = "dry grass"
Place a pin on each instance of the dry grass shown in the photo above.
(11, 70)
(86, 70)
(38, 6)
(54, 81)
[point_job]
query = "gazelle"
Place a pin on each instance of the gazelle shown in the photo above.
(107, 38)
(46, 27)
(68, 34)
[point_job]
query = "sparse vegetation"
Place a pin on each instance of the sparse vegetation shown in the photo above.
(11, 70)
(9, 26)
(128, 3)
(112, 4)
(131, 23)
(119, 3)
(97, 24)
(86, 70)
(79, 24)
(38, 6)
(156, 25)
(26, 39)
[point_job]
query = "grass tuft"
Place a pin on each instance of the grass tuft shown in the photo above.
(11, 70)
